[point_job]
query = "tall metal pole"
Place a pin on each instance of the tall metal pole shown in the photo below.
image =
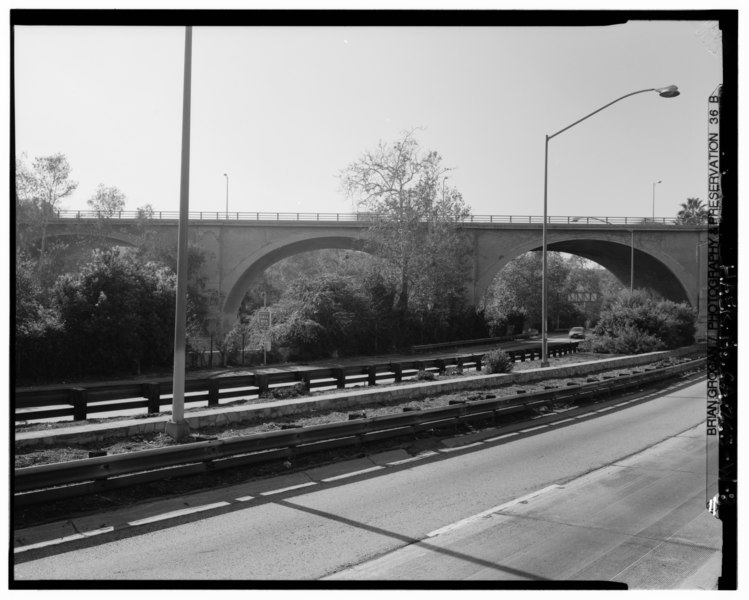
(632, 262)
(177, 427)
(227, 195)
(544, 341)
(654, 184)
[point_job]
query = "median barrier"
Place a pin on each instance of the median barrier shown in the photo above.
(36, 484)
(338, 400)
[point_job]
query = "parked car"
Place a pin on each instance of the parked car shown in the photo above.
(577, 332)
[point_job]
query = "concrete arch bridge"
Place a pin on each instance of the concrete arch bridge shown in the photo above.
(668, 258)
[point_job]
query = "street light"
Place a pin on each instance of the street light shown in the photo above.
(654, 184)
(227, 195)
(670, 91)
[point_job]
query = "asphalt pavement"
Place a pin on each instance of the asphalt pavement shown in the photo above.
(615, 496)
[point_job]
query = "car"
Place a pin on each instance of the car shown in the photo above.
(577, 332)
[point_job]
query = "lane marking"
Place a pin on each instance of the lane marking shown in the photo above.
(352, 473)
(491, 511)
(413, 458)
(564, 421)
(62, 540)
(533, 428)
(499, 437)
(287, 489)
(178, 513)
(244, 498)
(456, 448)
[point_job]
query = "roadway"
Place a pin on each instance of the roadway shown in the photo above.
(618, 496)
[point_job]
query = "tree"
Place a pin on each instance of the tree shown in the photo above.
(40, 189)
(693, 212)
(322, 316)
(514, 298)
(107, 201)
(117, 312)
(416, 218)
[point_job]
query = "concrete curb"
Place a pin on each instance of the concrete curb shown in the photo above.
(343, 400)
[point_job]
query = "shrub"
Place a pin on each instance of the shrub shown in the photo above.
(497, 361)
(425, 376)
(638, 322)
(287, 391)
(628, 340)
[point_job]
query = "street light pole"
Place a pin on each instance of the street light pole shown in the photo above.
(670, 91)
(632, 262)
(227, 195)
(654, 184)
(177, 427)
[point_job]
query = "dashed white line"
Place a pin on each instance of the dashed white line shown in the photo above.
(533, 428)
(178, 513)
(62, 540)
(499, 437)
(456, 448)
(352, 473)
(413, 458)
(288, 489)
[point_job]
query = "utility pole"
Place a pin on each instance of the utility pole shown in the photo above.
(177, 427)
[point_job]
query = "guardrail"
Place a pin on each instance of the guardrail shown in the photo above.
(348, 217)
(35, 484)
(80, 402)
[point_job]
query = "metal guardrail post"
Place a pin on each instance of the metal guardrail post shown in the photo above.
(261, 380)
(397, 371)
(372, 375)
(340, 377)
(152, 391)
(440, 365)
(79, 398)
(213, 392)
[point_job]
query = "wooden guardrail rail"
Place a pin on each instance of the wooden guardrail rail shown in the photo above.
(36, 484)
(82, 402)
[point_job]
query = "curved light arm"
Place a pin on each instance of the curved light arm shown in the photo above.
(667, 92)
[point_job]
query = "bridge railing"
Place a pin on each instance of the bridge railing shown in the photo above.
(349, 217)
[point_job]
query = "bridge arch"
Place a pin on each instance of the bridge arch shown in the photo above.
(253, 266)
(653, 269)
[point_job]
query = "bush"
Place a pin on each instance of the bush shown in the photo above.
(638, 322)
(425, 376)
(497, 361)
(287, 391)
(629, 340)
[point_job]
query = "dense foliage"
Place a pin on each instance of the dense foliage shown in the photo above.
(637, 322)
(497, 361)
(115, 316)
(513, 301)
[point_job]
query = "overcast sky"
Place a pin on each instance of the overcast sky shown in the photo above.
(283, 109)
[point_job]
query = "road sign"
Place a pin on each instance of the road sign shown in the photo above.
(264, 319)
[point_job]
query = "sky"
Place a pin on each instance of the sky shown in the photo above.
(283, 110)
